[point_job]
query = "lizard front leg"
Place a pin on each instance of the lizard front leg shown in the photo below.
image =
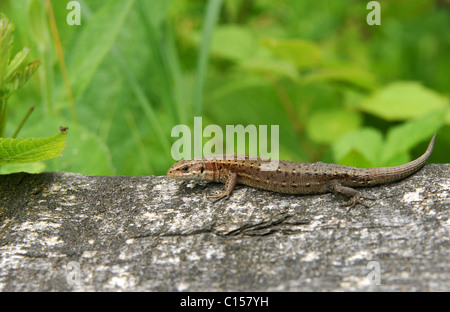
(355, 198)
(229, 186)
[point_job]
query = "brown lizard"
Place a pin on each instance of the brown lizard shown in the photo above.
(292, 177)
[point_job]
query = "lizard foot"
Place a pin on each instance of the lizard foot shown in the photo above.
(357, 199)
(218, 196)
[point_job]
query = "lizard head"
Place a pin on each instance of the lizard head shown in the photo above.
(191, 170)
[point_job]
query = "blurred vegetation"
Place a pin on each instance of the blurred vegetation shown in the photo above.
(15, 71)
(340, 90)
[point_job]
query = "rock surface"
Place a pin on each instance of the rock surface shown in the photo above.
(69, 232)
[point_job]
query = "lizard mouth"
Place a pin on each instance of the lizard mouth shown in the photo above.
(171, 173)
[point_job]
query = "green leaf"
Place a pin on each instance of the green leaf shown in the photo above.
(17, 151)
(278, 67)
(21, 77)
(303, 54)
(361, 148)
(233, 42)
(403, 101)
(405, 136)
(85, 152)
(95, 42)
(17, 61)
(355, 158)
(343, 74)
(326, 126)
(6, 42)
(35, 167)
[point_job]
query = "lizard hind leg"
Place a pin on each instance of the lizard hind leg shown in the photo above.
(355, 198)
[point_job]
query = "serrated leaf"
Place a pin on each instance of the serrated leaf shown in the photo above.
(81, 144)
(17, 151)
(21, 77)
(17, 61)
(403, 101)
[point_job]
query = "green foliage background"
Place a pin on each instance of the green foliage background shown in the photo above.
(340, 90)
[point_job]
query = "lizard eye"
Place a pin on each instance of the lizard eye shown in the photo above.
(185, 168)
(202, 169)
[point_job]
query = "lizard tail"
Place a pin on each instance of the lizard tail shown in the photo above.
(391, 174)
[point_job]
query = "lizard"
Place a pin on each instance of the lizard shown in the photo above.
(293, 177)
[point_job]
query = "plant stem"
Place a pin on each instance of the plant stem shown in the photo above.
(22, 122)
(3, 115)
(211, 18)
